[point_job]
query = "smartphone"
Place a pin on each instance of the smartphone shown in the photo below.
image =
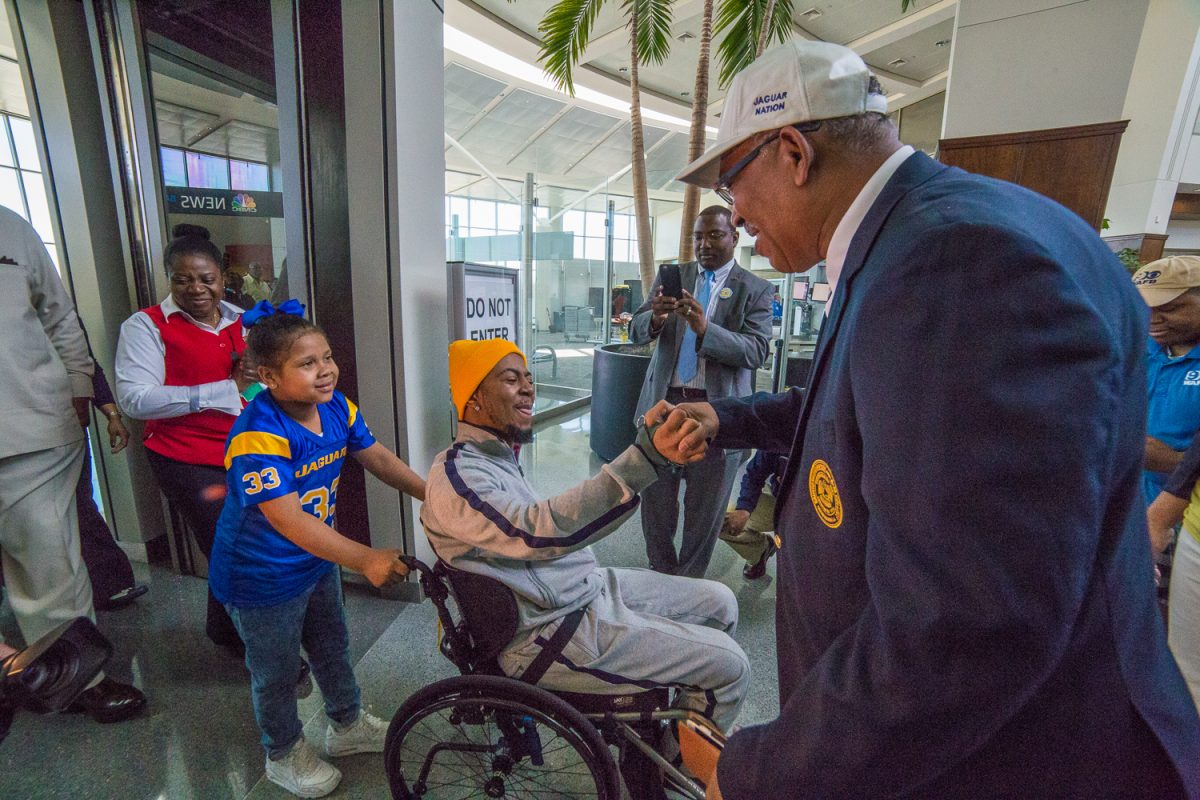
(670, 280)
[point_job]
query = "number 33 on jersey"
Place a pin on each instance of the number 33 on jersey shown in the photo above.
(269, 455)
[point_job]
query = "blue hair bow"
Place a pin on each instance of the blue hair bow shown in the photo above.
(263, 308)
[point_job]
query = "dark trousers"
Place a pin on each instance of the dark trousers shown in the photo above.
(707, 485)
(197, 492)
(107, 565)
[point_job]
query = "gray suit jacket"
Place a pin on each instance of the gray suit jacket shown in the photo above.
(734, 345)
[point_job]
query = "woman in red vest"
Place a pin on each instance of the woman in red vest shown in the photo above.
(179, 368)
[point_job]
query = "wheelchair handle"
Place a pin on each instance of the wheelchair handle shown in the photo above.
(455, 645)
(415, 564)
(427, 578)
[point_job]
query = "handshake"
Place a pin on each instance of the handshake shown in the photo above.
(681, 433)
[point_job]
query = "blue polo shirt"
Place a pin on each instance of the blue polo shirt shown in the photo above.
(1173, 411)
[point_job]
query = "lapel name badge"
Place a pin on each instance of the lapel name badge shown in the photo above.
(725, 293)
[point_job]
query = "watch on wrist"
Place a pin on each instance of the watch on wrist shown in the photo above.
(113, 414)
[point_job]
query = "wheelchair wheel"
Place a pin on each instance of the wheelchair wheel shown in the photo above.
(484, 736)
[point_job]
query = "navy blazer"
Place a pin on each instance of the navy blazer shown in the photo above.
(966, 603)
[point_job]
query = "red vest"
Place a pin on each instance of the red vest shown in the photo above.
(193, 356)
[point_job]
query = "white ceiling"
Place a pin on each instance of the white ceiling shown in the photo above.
(509, 118)
(514, 122)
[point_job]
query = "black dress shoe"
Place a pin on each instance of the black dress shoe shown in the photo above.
(122, 598)
(109, 701)
(752, 572)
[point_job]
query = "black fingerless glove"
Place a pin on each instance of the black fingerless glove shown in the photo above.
(644, 441)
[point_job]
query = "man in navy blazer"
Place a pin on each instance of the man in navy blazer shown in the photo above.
(965, 592)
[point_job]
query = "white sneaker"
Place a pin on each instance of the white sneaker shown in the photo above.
(303, 773)
(366, 735)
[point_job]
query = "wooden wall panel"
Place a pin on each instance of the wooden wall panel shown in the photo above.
(1001, 161)
(1153, 245)
(1186, 206)
(1071, 165)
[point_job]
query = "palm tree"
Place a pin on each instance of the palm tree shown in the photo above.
(749, 26)
(742, 21)
(696, 139)
(566, 30)
(764, 34)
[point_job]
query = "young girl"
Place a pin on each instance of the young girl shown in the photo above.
(273, 559)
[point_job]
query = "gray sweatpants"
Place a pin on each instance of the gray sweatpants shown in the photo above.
(44, 575)
(644, 630)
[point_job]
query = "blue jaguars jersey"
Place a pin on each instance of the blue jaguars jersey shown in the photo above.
(269, 455)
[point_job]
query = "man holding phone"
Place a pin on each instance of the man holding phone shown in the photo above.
(712, 322)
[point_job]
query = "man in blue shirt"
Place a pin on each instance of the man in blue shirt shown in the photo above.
(1171, 288)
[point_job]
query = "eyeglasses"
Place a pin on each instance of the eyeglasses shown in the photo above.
(725, 181)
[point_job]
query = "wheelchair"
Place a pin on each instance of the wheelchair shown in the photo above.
(482, 734)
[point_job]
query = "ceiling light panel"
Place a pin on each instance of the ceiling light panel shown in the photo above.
(466, 92)
(664, 164)
(561, 144)
(510, 124)
(614, 153)
(181, 121)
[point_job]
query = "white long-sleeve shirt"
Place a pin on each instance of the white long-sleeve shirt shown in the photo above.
(141, 370)
(43, 354)
(843, 234)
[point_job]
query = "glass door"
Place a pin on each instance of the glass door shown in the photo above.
(803, 314)
(216, 126)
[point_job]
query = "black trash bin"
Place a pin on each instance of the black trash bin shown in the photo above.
(618, 371)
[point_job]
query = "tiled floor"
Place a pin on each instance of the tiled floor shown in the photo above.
(198, 739)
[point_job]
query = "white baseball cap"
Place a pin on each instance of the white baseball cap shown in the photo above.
(798, 81)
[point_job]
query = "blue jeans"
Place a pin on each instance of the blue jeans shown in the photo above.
(273, 635)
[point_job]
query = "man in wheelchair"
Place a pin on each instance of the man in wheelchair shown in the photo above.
(633, 629)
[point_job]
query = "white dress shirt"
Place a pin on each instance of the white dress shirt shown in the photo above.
(719, 277)
(141, 370)
(843, 234)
